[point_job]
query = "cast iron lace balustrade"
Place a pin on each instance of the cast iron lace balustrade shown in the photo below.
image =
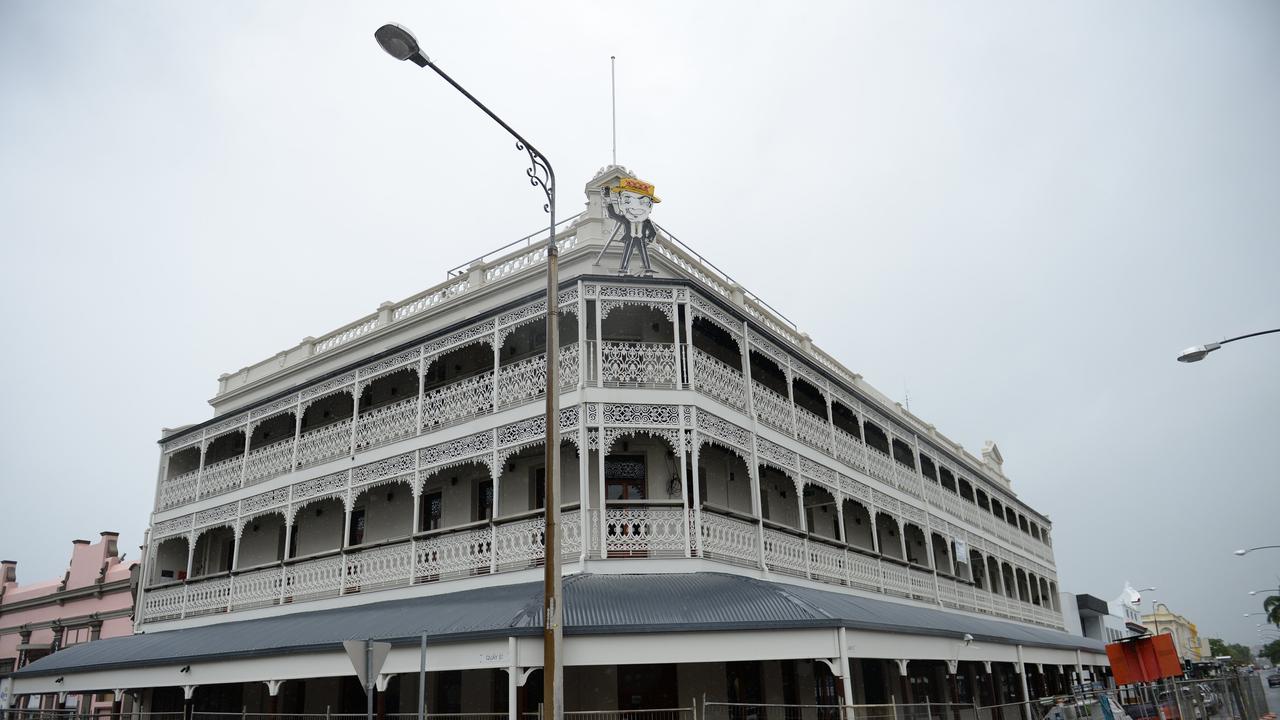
(458, 401)
(827, 563)
(525, 380)
(784, 553)
(267, 462)
(639, 364)
(864, 572)
(895, 579)
(313, 579)
(326, 443)
(813, 430)
(208, 596)
(387, 423)
(849, 450)
(880, 466)
(644, 531)
(164, 603)
(921, 584)
(257, 588)
(729, 539)
(905, 479)
(452, 555)
(377, 568)
(221, 477)
(772, 409)
(179, 490)
(719, 380)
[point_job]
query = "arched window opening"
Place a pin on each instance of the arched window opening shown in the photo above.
(768, 373)
(715, 341)
(966, 489)
(777, 498)
(917, 551)
(984, 502)
(997, 508)
(317, 528)
(994, 582)
(724, 480)
(887, 536)
(875, 437)
(278, 428)
(215, 549)
(978, 570)
(380, 513)
(1008, 581)
(1053, 596)
(820, 514)
(184, 461)
(522, 480)
(262, 541)
(903, 454)
(170, 563)
(858, 531)
(456, 496)
(947, 480)
(1033, 588)
(458, 364)
(399, 386)
(637, 323)
(1010, 516)
(1035, 530)
(927, 468)
(225, 447)
(327, 410)
(845, 419)
(942, 555)
(1024, 594)
(1022, 524)
(809, 397)
(530, 339)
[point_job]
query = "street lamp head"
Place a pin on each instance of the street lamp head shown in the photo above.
(1241, 551)
(398, 42)
(1197, 353)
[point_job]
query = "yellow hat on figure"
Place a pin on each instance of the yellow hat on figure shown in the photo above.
(638, 187)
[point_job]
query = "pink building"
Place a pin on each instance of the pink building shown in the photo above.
(93, 599)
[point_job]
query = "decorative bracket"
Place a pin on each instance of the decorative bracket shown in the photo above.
(953, 666)
(834, 664)
(902, 667)
(189, 691)
(382, 681)
(273, 687)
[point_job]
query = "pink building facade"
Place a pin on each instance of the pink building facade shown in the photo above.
(93, 599)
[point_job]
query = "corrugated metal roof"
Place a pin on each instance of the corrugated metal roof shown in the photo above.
(594, 604)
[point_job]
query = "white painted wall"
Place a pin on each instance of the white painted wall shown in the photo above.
(386, 519)
(261, 545)
(319, 534)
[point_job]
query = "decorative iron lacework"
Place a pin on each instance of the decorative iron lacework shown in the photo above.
(636, 292)
(884, 501)
(593, 413)
(174, 526)
(811, 377)
(328, 387)
(712, 313)
(735, 436)
(219, 514)
(271, 409)
(264, 501)
(637, 414)
(569, 417)
(593, 439)
(534, 428)
(480, 332)
(912, 512)
(783, 359)
(463, 447)
(844, 398)
(387, 366)
(590, 290)
(323, 485)
(783, 458)
(818, 472)
(666, 308)
(854, 488)
(402, 463)
(238, 422)
(185, 442)
(612, 435)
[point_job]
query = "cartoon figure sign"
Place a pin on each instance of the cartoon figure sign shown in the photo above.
(629, 204)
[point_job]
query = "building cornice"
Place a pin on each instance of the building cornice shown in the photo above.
(63, 596)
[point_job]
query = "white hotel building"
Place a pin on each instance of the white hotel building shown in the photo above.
(744, 518)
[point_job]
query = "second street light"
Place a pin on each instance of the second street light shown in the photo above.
(1199, 352)
(401, 45)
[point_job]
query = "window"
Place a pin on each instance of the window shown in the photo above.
(624, 477)
(432, 510)
(356, 536)
(538, 486)
(484, 501)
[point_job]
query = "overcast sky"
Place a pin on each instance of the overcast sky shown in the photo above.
(1017, 212)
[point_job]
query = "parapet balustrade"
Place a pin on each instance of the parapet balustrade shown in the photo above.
(772, 409)
(653, 530)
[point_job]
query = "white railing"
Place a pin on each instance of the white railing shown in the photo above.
(457, 401)
(267, 462)
(527, 379)
(905, 479)
(389, 422)
(179, 490)
(879, 466)
(326, 443)
(519, 544)
(771, 408)
(719, 380)
(220, 477)
(813, 430)
(644, 531)
(639, 364)
(849, 450)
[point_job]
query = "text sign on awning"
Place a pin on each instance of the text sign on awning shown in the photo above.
(356, 652)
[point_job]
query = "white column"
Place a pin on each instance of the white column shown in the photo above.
(753, 470)
(684, 483)
(604, 502)
(582, 376)
(513, 677)
(697, 489)
(845, 681)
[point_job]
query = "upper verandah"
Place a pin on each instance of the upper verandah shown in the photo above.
(514, 272)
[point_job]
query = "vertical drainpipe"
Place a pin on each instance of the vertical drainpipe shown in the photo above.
(845, 680)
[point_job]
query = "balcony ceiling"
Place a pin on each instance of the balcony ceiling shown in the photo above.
(594, 604)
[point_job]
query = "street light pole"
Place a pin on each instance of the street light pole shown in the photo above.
(400, 44)
(1198, 353)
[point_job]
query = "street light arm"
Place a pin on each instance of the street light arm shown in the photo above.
(1242, 337)
(1246, 551)
(540, 173)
